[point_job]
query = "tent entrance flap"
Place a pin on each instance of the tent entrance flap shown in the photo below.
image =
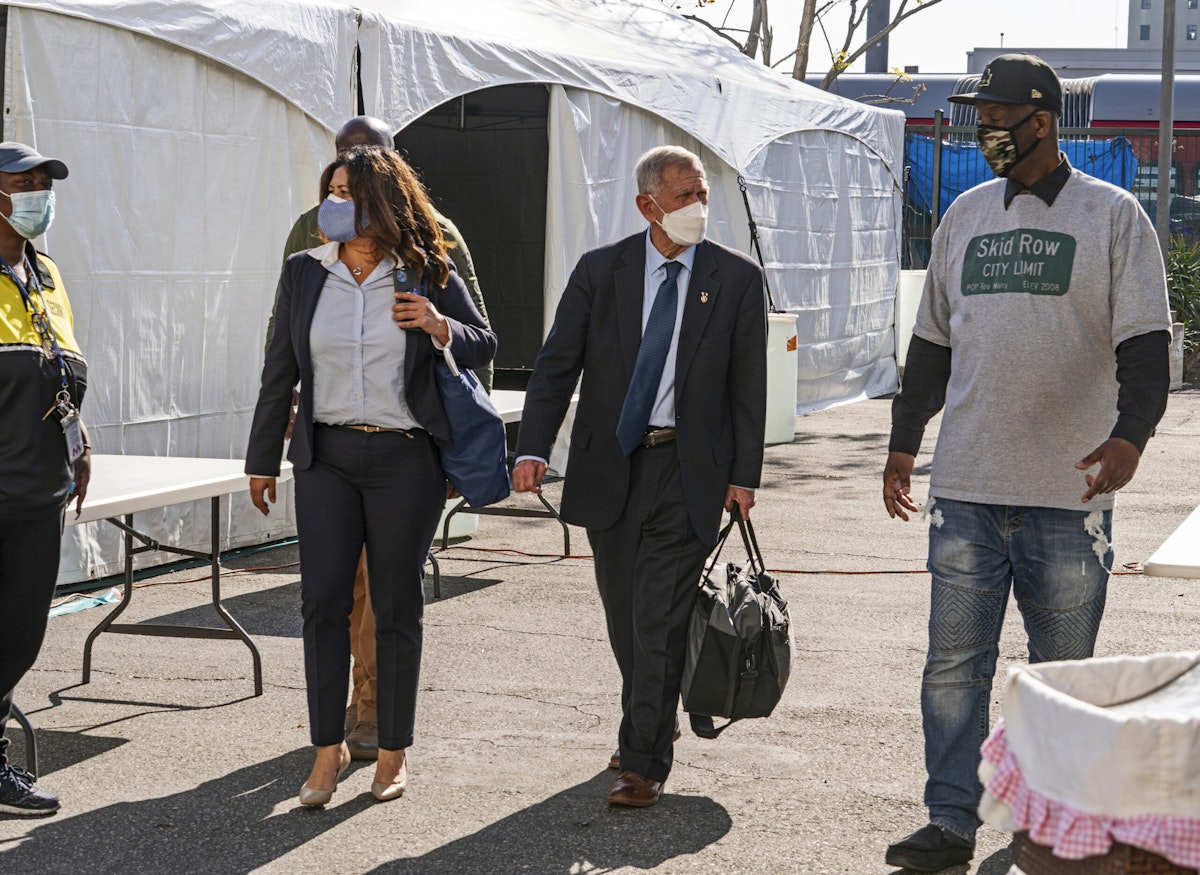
(484, 158)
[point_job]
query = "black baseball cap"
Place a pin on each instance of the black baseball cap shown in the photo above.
(17, 158)
(1017, 79)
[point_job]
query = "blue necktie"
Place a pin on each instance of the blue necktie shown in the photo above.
(652, 355)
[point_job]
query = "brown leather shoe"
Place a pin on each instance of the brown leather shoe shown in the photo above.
(614, 761)
(363, 741)
(634, 791)
(351, 717)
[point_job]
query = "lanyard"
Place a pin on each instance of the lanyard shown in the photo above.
(41, 321)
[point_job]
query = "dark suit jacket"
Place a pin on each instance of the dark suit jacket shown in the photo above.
(289, 361)
(720, 381)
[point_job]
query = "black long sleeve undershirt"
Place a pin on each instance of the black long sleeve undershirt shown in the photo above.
(922, 394)
(1143, 380)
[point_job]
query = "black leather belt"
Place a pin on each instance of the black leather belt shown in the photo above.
(655, 437)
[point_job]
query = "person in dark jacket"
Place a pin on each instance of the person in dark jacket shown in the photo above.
(669, 332)
(45, 459)
(361, 719)
(359, 322)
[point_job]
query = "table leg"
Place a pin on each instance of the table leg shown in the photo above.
(549, 513)
(234, 629)
(31, 751)
(216, 597)
(437, 576)
(126, 597)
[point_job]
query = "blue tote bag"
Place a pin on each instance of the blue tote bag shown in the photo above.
(476, 462)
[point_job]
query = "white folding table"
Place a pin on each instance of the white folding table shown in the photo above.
(124, 485)
(1179, 556)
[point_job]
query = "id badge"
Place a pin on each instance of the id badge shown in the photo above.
(74, 436)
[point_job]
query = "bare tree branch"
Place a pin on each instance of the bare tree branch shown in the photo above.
(760, 35)
(719, 31)
(851, 57)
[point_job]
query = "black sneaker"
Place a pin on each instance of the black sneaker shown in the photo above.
(929, 849)
(19, 795)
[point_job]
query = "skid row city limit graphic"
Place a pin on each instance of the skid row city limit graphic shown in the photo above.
(1026, 260)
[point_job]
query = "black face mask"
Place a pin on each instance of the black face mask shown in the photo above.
(999, 146)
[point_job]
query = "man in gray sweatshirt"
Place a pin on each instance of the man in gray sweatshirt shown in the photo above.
(1043, 330)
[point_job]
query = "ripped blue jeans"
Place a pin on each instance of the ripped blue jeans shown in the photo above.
(1057, 564)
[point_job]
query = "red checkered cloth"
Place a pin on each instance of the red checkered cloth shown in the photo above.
(1074, 834)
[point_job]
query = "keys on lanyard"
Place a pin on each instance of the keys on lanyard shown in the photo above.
(68, 419)
(42, 326)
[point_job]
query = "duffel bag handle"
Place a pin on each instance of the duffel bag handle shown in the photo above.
(748, 539)
(721, 537)
(751, 542)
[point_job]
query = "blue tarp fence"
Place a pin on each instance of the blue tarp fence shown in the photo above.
(964, 167)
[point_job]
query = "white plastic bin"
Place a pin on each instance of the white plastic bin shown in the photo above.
(782, 362)
(908, 299)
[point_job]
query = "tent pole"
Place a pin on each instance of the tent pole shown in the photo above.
(938, 117)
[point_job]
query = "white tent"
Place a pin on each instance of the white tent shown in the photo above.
(195, 131)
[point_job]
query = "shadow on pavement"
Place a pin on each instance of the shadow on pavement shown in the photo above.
(276, 611)
(59, 750)
(224, 826)
(997, 864)
(576, 831)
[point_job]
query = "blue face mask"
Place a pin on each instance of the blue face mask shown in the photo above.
(336, 219)
(32, 212)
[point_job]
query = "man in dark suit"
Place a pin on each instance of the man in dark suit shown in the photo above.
(669, 330)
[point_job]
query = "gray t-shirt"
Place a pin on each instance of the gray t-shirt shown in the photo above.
(1033, 301)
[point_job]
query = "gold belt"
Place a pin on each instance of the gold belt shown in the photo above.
(375, 429)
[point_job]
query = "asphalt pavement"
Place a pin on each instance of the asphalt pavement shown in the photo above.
(166, 762)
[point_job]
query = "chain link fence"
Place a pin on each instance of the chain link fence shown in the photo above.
(943, 161)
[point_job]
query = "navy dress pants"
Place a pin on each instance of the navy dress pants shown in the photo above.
(385, 490)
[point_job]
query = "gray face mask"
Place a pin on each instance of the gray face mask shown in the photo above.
(336, 219)
(999, 146)
(32, 212)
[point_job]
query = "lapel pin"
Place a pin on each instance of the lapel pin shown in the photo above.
(704, 297)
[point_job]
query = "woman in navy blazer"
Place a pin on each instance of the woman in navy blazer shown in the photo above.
(358, 324)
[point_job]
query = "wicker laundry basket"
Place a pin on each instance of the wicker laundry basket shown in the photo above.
(1034, 859)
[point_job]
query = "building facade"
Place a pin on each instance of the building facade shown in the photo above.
(1146, 22)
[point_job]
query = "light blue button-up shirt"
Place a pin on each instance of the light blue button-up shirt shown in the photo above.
(357, 350)
(662, 415)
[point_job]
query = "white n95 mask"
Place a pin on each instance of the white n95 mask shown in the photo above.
(687, 225)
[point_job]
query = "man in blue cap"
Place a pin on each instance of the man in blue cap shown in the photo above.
(45, 459)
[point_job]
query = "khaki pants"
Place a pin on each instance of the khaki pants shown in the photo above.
(362, 646)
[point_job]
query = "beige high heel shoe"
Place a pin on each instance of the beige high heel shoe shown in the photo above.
(314, 798)
(385, 792)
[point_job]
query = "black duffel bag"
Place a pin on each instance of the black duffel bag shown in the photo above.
(739, 649)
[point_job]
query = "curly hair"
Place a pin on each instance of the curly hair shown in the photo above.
(402, 223)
